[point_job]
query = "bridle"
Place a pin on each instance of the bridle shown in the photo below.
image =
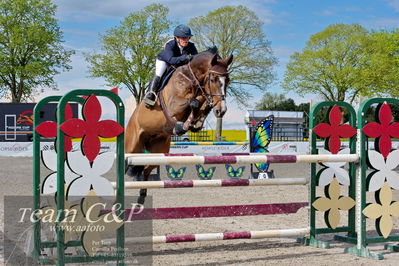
(208, 96)
(171, 123)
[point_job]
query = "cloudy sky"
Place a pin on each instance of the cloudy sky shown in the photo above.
(288, 24)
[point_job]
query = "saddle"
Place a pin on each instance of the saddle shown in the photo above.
(166, 77)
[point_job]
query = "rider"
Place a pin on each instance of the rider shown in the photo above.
(177, 52)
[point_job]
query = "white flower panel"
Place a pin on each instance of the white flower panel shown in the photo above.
(90, 175)
(334, 169)
(49, 159)
(385, 170)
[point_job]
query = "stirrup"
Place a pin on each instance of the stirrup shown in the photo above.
(149, 102)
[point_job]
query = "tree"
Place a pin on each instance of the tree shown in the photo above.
(129, 50)
(237, 31)
(278, 102)
(31, 51)
(274, 101)
(383, 71)
(334, 64)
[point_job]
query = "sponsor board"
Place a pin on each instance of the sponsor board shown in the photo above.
(16, 120)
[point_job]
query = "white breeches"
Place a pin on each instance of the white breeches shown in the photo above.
(160, 67)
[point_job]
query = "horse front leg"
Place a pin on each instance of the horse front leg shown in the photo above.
(195, 106)
(198, 123)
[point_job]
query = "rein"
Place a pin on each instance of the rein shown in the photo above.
(207, 96)
(170, 121)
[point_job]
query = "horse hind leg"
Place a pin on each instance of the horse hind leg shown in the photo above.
(157, 145)
(134, 171)
(133, 144)
(143, 191)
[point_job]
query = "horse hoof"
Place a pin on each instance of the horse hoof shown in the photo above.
(137, 178)
(194, 129)
(178, 130)
(143, 192)
(195, 104)
(149, 106)
(141, 200)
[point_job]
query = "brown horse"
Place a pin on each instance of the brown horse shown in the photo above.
(191, 93)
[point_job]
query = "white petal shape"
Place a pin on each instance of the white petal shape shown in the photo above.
(69, 176)
(334, 169)
(103, 163)
(376, 159)
(49, 185)
(49, 159)
(342, 176)
(326, 177)
(90, 175)
(392, 160)
(335, 164)
(393, 179)
(104, 188)
(385, 169)
(78, 162)
(377, 180)
(78, 189)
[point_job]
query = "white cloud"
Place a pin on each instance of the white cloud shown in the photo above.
(394, 4)
(328, 12)
(91, 10)
(382, 23)
(284, 51)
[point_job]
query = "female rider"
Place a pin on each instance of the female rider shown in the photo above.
(177, 52)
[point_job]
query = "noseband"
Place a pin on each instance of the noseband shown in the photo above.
(208, 96)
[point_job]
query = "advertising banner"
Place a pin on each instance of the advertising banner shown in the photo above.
(16, 120)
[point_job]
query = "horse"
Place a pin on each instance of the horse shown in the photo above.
(192, 91)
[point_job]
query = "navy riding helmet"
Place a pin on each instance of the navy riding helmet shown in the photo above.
(182, 31)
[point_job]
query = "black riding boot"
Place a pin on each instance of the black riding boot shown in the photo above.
(151, 96)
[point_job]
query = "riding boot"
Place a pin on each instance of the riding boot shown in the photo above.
(151, 96)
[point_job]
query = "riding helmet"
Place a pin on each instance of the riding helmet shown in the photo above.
(182, 31)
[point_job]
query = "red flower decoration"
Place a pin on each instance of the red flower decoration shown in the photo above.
(48, 129)
(383, 130)
(90, 129)
(334, 131)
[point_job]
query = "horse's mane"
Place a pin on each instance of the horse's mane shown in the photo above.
(208, 53)
(213, 50)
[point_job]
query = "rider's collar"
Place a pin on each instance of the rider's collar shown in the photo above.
(178, 45)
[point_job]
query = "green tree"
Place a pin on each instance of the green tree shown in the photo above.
(277, 102)
(129, 51)
(238, 31)
(383, 71)
(31, 51)
(334, 64)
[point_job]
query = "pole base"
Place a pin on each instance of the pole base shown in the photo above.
(392, 247)
(311, 241)
(364, 252)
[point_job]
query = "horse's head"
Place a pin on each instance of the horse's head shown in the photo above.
(215, 84)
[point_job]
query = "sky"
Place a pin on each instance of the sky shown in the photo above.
(288, 24)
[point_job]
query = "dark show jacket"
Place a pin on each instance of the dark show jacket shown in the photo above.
(172, 55)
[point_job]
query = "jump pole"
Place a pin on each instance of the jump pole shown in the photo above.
(239, 159)
(214, 183)
(213, 236)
